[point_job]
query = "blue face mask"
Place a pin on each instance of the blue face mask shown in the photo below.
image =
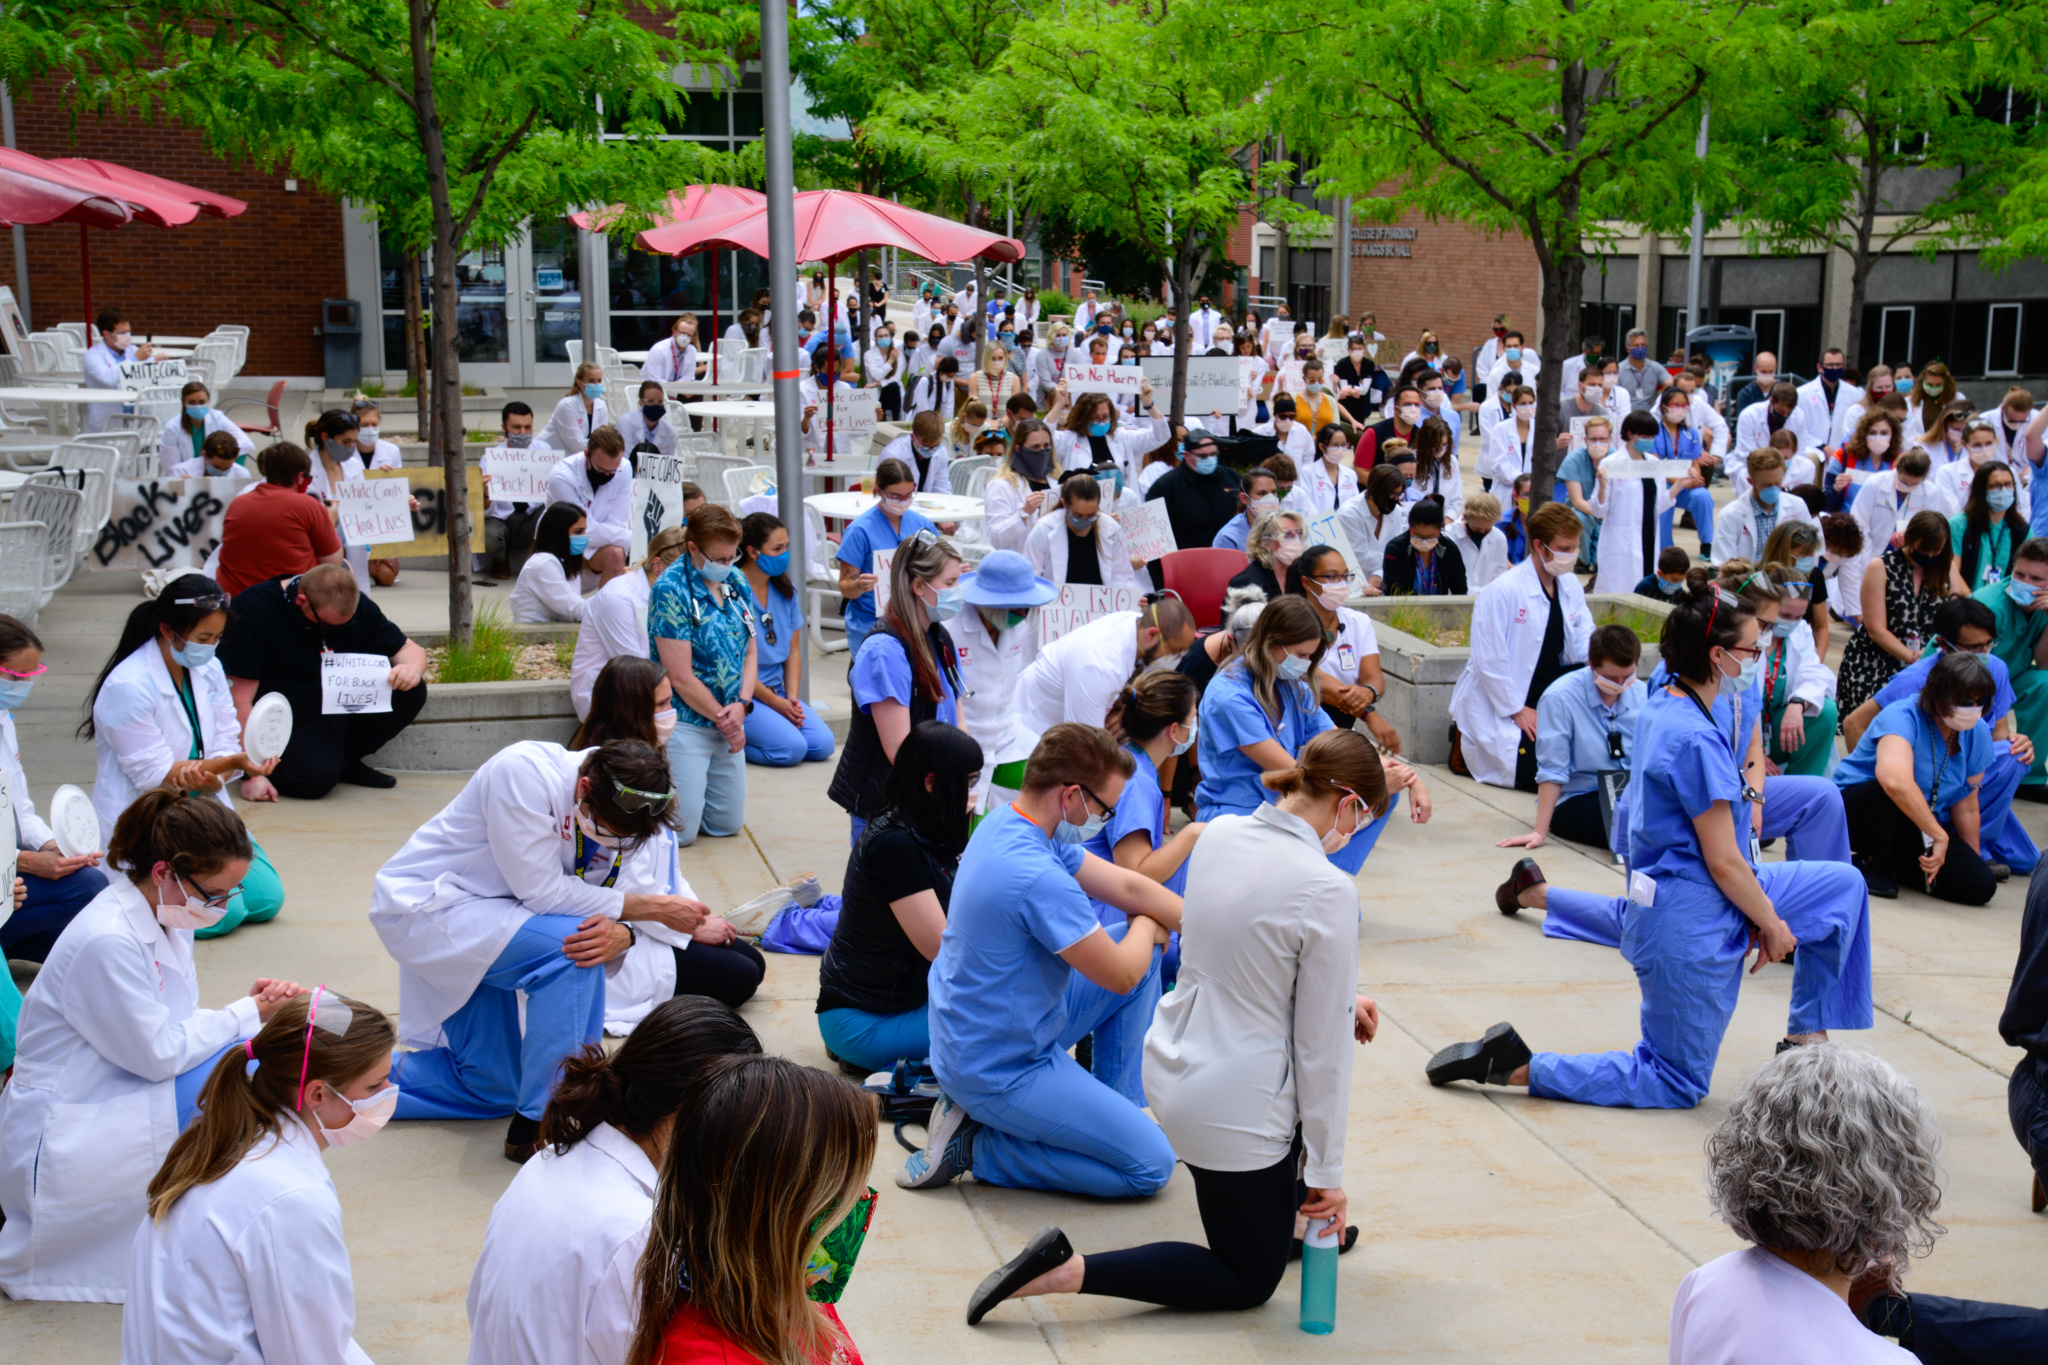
(594, 389)
(714, 572)
(1293, 667)
(1007, 338)
(1098, 428)
(1783, 629)
(196, 411)
(1205, 464)
(1904, 383)
(2022, 593)
(774, 565)
(1645, 444)
(947, 607)
(1768, 496)
(2000, 499)
(578, 544)
(194, 656)
(1667, 587)
(1806, 563)
(14, 692)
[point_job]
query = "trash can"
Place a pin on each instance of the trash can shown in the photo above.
(1729, 349)
(341, 335)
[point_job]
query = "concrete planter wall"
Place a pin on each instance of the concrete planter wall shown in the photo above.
(465, 723)
(1421, 675)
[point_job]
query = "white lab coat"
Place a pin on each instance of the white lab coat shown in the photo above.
(1506, 455)
(1831, 428)
(1813, 682)
(92, 1111)
(937, 475)
(990, 666)
(880, 367)
(633, 430)
(570, 427)
(1508, 621)
(1369, 533)
(1084, 314)
(614, 624)
(141, 729)
(1129, 443)
(1951, 486)
(556, 1282)
(1202, 322)
(607, 510)
(1879, 513)
(645, 974)
(1753, 429)
(102, 368)
(195, 468)
(670, 361)
(29, 830)
(447, 903)
(1449, 487)
(1315, 493)
(1046, 547)
(544, 592)
(1705, 419)
(1800, 469)
(175, 448)
(1276, 339)
(249, 1267)
(1528, 365)
(1076, 677)
(1619, 506)
(1735, 531)
(1491, 414)
(383, 455)
(1484, 561)
(1007, 522)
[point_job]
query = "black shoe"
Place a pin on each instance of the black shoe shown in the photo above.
(522, 1138)
(1881, 886)
(1350, 1241)
(2036, 792)
(846, 1068)
(1492, 1059)
(361, 774)
(1084, 1052)
(1049, 1250)
(1785, 1045)
(2000, 871)
(1524, 874)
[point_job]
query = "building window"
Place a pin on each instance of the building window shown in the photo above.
(2002, 340)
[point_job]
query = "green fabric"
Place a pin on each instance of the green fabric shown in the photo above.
(2030, 717)
(259, 900)
(1992, 552)
(1010, 776)
(10, 1012)
(1812, 758)
(2018, 630)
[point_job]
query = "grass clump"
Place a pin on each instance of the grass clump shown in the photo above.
(492, 654)
(1423, 625)
(1646, 624)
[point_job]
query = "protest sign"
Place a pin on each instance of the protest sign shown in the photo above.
(1620, 466)
(140, 374)
(1327, 530)
(1114, 380)
(883, 559)
(853, 419)
(1859, 477)
(430, 522)
(1078, 605)
(518, 475)
(163, 523)
(657, 498)
(354, 684)
(374, 511)
(1148, 533)
(1212, 381)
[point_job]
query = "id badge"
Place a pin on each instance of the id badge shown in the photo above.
(1642, 890)
(1756, 851)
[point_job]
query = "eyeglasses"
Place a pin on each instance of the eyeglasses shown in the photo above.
(212, 900)
(633, 799)
(1106, 807)
(25, 677)
(1745, 651)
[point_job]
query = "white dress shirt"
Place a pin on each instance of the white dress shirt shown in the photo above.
(614, 624)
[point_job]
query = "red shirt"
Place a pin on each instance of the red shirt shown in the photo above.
(692, 1339)
(271, 530)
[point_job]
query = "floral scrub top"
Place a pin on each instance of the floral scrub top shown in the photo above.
(681, 607)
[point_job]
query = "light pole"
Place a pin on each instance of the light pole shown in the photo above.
(1699, 233)
(782, 363)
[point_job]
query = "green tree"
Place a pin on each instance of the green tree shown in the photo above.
(458, 120)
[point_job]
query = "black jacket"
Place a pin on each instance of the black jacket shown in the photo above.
(1398, 577)
(1197, 507)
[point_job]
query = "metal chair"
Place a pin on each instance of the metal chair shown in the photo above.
(698, 443)
(57, 510)
(159, 401)
(141, 456)
(739, 483)
(962, 471)
(608, 356)
(22, 565)
(711, 470)
(240, 336)
(275, 426)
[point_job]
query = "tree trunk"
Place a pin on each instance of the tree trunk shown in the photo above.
(1183, 338)
(447, 376)
(1564, 287)
(1860, 258)
(415, 337)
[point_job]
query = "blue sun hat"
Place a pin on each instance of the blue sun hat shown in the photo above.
(1004, 579)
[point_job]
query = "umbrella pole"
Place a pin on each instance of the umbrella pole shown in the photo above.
(831, 345)
(85, 279)
(714, 315)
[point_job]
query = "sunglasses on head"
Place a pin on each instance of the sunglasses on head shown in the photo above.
(207, 602)
(633, 799)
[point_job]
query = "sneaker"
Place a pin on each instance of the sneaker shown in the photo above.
(1492, 1059)
(805, 889)
(361, 774)
(2000, 872)
(1881, 886)
(522, 1138)
(948, 1151)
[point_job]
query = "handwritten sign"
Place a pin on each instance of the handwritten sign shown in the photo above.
(1620, 466)
(1212, 380)
(853, 420)
(1859, 477)
(374, 511)
(430, 523)
(1110, 379)
(1327, 530)
(354, 684)
(142, 373)
(162, 524)
(1148, 532)
(883, 560)
(518, 475)
(1078, 605)
(658, 499)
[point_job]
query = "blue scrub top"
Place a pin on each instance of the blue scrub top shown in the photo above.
(1234, 534)
(1683, 765)
(868, 533)
(1725, 709)
(881, 672)
(786, 616)
(1906, 720)
(998, 985)
(1140, 810)
(1232, 717)
(1907, 683)
(1572, 724)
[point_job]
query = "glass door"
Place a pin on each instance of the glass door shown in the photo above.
(547, 264)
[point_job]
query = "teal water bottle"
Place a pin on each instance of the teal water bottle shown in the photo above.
(1319, 1277)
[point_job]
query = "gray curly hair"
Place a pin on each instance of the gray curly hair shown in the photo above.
(1829, 1150)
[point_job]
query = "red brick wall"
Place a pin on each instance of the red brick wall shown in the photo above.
(267, 269)
(1453, 282)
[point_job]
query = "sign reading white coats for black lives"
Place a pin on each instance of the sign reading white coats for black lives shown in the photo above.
(1079, 604)
(374, 511)
(137, 374)
(1212, 382)
(1114, 380)
(657, 499)
(513, 475)
(354, 684)
(163, 523)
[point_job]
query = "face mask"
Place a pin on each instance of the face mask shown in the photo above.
(652, 413)
(1128, 329)
(1423, 547)
(1638, 352)
(1768, 496)
(1925, 560)
(1667, 587)
(594, 389)
(1783, 629)
(1644, 445)
(1589, 396)
(1007, 338)
(2000, 499)
(774, 565)
(1744, 678)
(1333, 595)
(1263, 505)
(1608, 687)
(1675, 417)
(1067, 832)
(1282, 425)
(193, 656)
(1878, 442)
(664, 724)
(185, 912)
(1831, 373)
(2019, 592)
(1806, 563)
(1205, 465)
(1904, 383)
(1337, 838)
(1513, 353)
(1182, 746)
(1313, 389)
(1098, 428)
(1560, 564)
(520, 442)
(1285, 553)
(1979, 454)
(1293, 667)
(1525, 412)
(371, 1114)
(14, 692)
(1965, 717)
(714, 573)
(1433, 399)
(122, 339)
(1059, 343)
(196, 411)
(895, 506)
(1357, 356)
(1337, 454)
(578, 544)
(947, 607)
(598, 477)
(1596, 448)
(1081, 524)
(1410, 413)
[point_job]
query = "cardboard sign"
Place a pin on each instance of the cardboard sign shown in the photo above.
(1620, 466)
(518, 475)
(1114, 380)
(374, 511)
(354, 684)
(140, 374)
(883, 559)
(1327, 530)
(430, 523)
(163, 524)
(1079, 604)
(1148, 533)
(657, 499)
(1212, 381)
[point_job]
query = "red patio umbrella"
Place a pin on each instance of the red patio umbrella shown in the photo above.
(694, 202)
(29, 200)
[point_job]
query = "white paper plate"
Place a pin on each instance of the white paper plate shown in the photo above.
(74, 822)
(269, 728)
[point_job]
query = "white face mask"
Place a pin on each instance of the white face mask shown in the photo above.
(372, 1112)
(665, 723)
(185, 912)
(1525, 412)
(1596, 448)
(366, 437)
(1560, 564)
(1877, 442)
(588, 825)
(1338, 836)
(1979, 454)
(1333, 595)
(121, 340)
(1265, 504)
(1964, 717)
(1589, 395)
(1411, 413)
(1609, 688)
(1607, 381)
(1182, 746)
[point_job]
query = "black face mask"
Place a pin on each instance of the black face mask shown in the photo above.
(1034, 463)
(652, 413)
(598, 477)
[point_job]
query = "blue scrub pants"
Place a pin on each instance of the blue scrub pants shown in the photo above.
(710, 781)
(773, 742)
(488, 1068)
(877, 1041)
(2003, 839)
(1351, 857)
(1058, 1127)
(187, 1085)
(1700, 503)
(52, 903)
(1688, 952)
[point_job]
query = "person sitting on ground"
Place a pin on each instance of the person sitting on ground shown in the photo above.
(872, 990)
(1155, 715)
(1901, 590)
(615, 617)
(1349, 681)
(162, 714)
(923, 448)
(778, 1153)
(2024, 1024)
(555, 1279)
(1082, 545)
(56, 885)
(1260, 496)
(550, 586)
(1079, 676)
(275, 528)
(1673, 563)
(781, 731)
(114, 1049)
(1988, 529)
(276, 642)
(1276, 541)
(244, 1204)
(600, 483)
(1483, 549)
(1374, 519)
(1743, 526)
(1585, 725)
(646, 428)
(1201, 496)
(218, 458)
(1420, 562)
(508, 525)
(185, 435)
(1910, 788)
(884, 526)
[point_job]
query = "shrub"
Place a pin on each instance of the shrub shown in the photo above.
(493, 653)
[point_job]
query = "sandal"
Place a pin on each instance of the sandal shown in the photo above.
(1507, 895)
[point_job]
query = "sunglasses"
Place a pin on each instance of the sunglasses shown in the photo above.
(633, 799)
(208, 602)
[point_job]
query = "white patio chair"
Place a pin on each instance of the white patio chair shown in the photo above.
(91, 468)
(158, 402)
(57, 509)
(821, 586)
(575, 348)
(22, 565)
(240, 336)
(739, 483)
(74, 330)
(711, 471)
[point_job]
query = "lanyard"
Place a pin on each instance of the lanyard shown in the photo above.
(1940, 766)
(611, 876)
(1772, 671)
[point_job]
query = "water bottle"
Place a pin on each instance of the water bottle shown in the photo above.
(1319, 1277)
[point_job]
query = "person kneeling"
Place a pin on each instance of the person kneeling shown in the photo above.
(1585, 722)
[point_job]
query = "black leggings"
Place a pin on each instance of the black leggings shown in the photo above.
(1248, 1217)
(1577, 818)
(1882, 838)
(729, 974)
